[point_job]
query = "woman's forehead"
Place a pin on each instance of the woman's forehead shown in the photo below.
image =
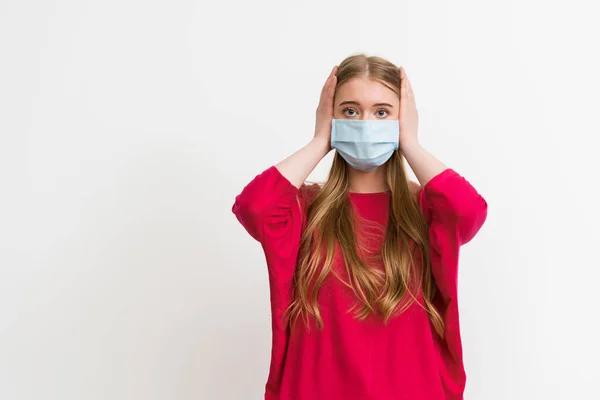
(365, 91)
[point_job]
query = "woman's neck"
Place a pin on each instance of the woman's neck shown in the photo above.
(368, 182)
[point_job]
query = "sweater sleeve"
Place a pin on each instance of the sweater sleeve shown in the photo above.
(266, 199)
(455, 212)
(272, 210)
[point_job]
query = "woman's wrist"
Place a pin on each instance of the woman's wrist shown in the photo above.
(321, 144)
(422, 162)
(408, 146)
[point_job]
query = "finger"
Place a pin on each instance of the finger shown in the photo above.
(333, 70)
(332, 80)
(402, 75)
(327, 80)
(332, 75)
(405, 80)
(407, 84)
(328, 91)
(324, 88)
(324, 92)
(331, 93)
(403, 83)
(328, 83)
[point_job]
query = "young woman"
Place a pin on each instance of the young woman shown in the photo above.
(363, 268)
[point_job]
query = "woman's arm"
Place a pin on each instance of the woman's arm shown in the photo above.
(424, 164)
(299, 165)
(449, 201)
(264, 203)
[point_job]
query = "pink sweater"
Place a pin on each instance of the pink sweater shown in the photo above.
(362, 360)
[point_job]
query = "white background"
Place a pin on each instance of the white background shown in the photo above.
(128, 127)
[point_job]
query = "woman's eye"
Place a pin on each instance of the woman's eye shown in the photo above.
(350, 112)
(382, 110)
(346, 110)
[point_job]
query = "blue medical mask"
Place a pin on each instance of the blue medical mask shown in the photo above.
(365, 144)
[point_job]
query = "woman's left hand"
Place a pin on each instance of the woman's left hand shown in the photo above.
(408, 118)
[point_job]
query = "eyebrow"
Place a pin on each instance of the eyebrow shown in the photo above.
(358, 104)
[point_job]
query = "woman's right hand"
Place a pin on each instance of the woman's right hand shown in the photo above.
(325, 109)
(299, 165)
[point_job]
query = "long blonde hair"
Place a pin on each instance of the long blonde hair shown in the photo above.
(329, 221)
